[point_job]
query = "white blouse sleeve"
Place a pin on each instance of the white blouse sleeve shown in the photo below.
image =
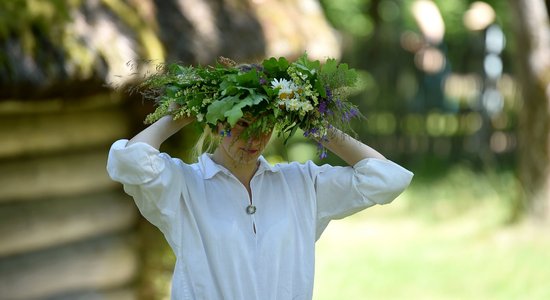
(343, 191)
(153, 179)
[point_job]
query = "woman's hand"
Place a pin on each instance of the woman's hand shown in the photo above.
(161, 130)
(347, 148)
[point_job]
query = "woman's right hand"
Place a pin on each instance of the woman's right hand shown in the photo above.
(158, 132)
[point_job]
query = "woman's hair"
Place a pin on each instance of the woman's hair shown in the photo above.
(207, 142)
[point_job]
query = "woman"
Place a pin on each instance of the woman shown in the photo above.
(239, 227)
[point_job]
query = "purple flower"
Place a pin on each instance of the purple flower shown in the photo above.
(309, 132)
(322, 107)
(225, 133)
(248, 67)
(263, 81)
(322, 150)
(245, 68)
(348, 115)
(329, 93)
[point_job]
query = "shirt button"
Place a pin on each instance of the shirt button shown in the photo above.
(251, 209)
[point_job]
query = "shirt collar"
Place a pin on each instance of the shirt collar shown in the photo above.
(209, 168)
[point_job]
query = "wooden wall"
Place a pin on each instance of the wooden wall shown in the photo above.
(66, 230)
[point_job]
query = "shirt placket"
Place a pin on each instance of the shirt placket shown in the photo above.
(249, 202)
(251, 208)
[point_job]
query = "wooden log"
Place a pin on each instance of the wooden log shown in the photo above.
(88, 266)
(29, 226)
(55, 105)
(117, 294)
(28, 135)
(55, 176)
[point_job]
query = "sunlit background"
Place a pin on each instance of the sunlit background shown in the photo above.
(456, 91)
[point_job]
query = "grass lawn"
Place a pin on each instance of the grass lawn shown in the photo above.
(440, 249)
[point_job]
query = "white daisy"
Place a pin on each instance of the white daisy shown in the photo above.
(280, 83)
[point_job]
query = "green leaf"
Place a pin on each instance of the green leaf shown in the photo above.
(171, 91)
(351, 77)
(228, 86)
(217, 109)
(178, 69)
(273, 65)
(330, 67)
(304, 63)
(337, 75)
(248, 78)
(235, 113)
(270, 65)
(320, 89)
(269, 91)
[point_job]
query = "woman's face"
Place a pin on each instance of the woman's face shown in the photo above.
(244, 150)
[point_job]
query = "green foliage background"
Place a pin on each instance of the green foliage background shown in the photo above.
(403, 103)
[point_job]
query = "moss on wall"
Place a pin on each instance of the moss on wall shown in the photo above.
(42, 42)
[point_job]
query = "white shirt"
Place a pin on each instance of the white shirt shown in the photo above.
(201, 210)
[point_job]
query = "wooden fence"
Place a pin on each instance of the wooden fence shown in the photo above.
(66, 230)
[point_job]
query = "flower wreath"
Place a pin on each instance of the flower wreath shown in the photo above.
(279, 95)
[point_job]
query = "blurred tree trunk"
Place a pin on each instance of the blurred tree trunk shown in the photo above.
(532, 34)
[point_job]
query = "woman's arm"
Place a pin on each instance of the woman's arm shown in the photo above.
(349, 149)
(160, 131)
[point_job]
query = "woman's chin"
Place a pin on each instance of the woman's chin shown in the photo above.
(248, 156)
